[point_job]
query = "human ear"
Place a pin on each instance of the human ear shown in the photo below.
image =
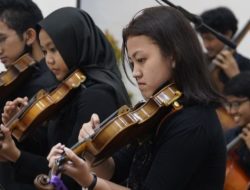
(30, 36)
(229, 34)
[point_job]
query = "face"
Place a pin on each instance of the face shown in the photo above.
(53, 58)
(149, 67)
(11, 45)
(239, 108)
(212, 44)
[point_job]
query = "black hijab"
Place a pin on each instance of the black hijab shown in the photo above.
(83, 45)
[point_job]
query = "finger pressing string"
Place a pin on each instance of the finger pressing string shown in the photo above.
(2, 136)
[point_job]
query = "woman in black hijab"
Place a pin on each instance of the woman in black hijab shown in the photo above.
(70, 40)
(83, 45)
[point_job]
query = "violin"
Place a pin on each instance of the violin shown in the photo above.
(127, 125)
(16, 74)
(236, 177)
(42, 106)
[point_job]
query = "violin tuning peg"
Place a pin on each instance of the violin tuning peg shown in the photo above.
(176, 105)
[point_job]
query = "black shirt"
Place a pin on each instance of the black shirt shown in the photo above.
(187, 153)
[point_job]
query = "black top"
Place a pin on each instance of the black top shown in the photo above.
(188, 152)
(65, 127)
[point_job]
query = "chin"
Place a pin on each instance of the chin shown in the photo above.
(59, 78)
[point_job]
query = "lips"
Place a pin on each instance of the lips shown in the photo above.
(55, 71)
(141, 86)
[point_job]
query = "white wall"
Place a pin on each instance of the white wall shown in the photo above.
(115, 14)
(48, 6)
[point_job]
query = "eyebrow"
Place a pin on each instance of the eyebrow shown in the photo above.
(135, 53)
(47, 44)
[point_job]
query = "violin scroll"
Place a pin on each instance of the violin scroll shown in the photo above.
(42, 182)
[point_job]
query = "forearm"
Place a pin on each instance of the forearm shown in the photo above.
(106, 169)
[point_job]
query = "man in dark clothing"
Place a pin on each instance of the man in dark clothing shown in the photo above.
(227, 62)
(17, 37)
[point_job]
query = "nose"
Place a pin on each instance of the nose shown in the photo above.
(232, 110)
(49, 60)
(136, 74)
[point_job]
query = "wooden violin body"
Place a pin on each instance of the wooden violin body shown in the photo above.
(236, 178)
(16, 75)
(128, 125)
(42, 106)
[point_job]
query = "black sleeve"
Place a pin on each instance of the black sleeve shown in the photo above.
(28, 166)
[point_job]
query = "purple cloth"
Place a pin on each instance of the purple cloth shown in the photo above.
(58, 183)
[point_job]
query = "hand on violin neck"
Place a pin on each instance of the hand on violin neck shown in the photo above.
(226, 61)
(88, 129)
(12, 107)
(245, 135)
(55, 153)
(77, 168)
(8, 151)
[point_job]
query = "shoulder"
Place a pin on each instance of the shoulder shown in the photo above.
(196, 117)
(244, 62)
(96, 91)
(197, 124)
(98, 98)
(195, 114)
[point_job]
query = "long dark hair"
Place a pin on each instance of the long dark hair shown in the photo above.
(172, 32)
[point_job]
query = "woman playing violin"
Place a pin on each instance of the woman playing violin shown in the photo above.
(83, 47)
(237, 92)
(187, 150)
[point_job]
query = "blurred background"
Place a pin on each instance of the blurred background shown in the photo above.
(112, 15)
